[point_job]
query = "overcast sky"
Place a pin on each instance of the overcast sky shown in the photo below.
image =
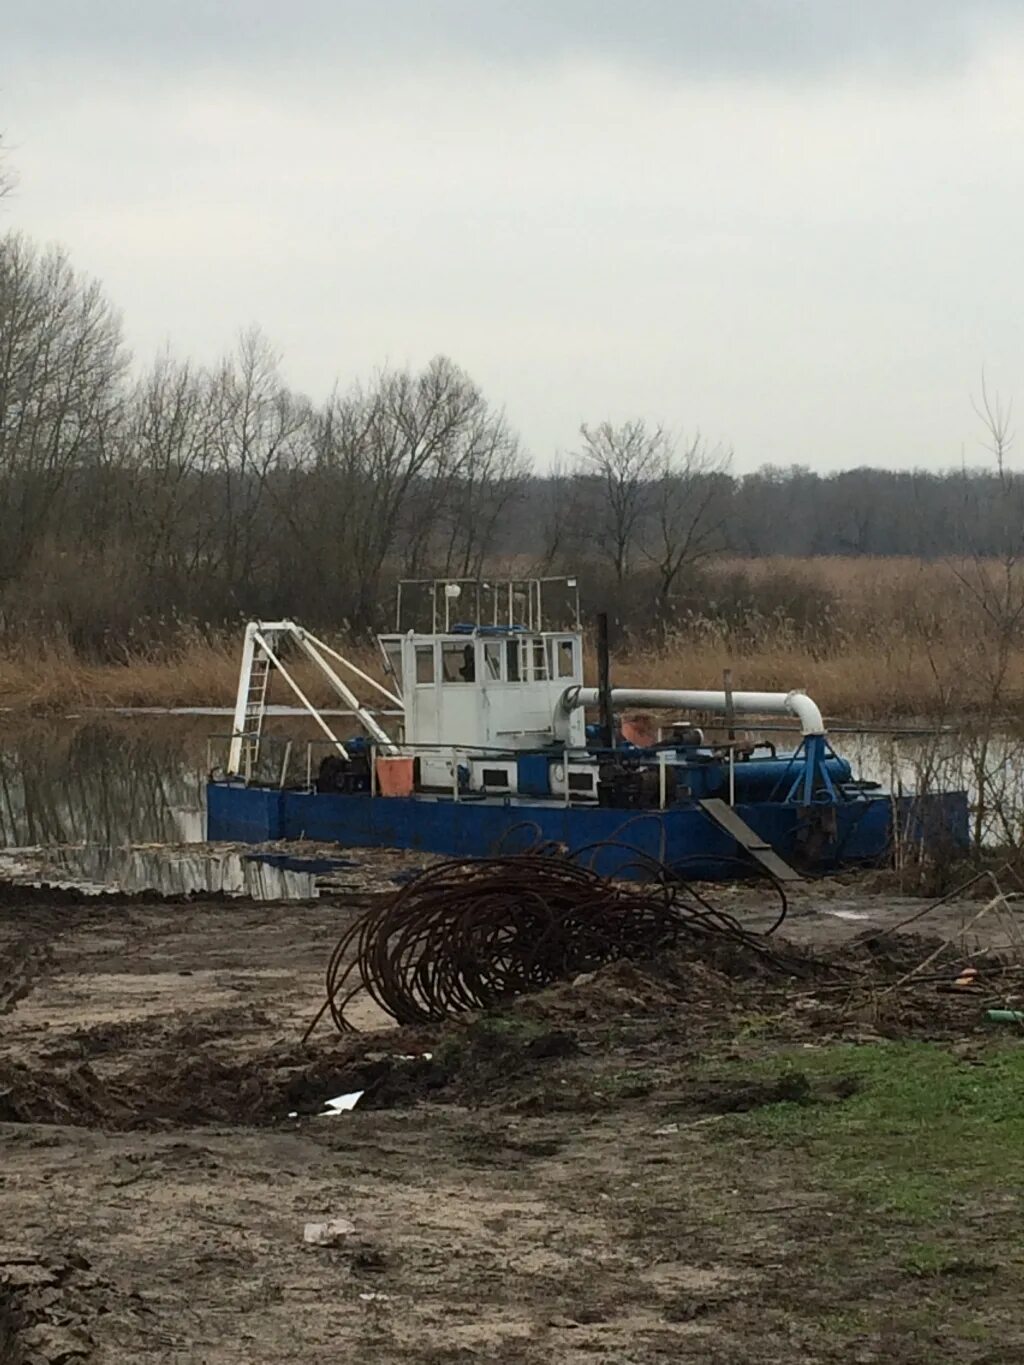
(797, 225)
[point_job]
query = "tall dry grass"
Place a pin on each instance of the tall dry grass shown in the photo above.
(880, 681)
(867, 638)
(197, 670)
(895, 638)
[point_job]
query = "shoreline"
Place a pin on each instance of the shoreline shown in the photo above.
(852, 686)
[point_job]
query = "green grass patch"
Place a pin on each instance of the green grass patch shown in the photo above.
(922, 1131)
(930, 1260)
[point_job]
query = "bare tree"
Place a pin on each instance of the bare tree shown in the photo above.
(551, 533)
(169, 446)
(256, 420)
(625, 462)
(995, 586)
(426, 431)
(408, 473)
(691, 492)
(489, 480)
(61, 363)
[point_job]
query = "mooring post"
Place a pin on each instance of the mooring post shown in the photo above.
(730, 710)
(730, 721)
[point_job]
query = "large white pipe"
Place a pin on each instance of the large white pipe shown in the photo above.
(796, 704)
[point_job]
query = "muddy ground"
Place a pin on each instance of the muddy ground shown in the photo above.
(549, 1184)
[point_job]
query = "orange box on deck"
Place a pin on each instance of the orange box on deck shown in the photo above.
(394, 776)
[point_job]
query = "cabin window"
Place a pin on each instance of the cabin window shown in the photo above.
(512, 659)
(424, 663)
(563, 653)
(492, 661)
(458, 662)
(540, 661)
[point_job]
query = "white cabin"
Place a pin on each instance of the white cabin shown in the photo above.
(480, 699)
(486, 687)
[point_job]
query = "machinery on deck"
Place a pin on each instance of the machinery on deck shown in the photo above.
(481, 741)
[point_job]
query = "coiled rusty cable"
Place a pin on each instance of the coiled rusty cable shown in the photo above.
(471, 933)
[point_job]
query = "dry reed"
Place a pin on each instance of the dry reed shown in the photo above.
(900, 639)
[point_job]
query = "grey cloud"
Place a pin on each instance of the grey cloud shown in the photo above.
(695, 37)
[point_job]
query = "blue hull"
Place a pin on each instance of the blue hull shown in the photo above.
(863, 831)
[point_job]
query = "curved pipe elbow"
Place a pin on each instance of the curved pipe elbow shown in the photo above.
(807, 712)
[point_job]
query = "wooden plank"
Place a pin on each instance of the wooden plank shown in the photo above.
(726, 817)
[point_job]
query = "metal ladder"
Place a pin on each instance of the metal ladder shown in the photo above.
(259, 656)
(255, 710)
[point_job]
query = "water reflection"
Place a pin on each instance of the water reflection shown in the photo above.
(180, 873)
(103, 783)
(78, 798)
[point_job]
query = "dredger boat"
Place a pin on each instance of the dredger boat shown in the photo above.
(480, 743)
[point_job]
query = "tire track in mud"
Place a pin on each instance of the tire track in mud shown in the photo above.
(22, 964)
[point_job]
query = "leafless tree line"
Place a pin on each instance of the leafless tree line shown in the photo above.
(132, 503)
(206, 492)
(202, 493)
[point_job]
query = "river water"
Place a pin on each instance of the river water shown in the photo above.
(118, 800)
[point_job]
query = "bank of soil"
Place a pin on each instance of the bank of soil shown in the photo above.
(564, 1180)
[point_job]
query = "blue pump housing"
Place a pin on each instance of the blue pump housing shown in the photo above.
(755, 779)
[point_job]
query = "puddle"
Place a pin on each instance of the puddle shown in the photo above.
(176, 874)
(170, 872)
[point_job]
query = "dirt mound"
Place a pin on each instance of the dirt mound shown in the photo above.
(47, 1306)
(150, 1076)
(734, 1096)
(872, 988)
(465, 1061)
(704, 988)
(77, 1097)
(615, 991)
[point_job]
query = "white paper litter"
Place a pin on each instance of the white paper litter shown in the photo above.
(327, 1234)
(341, 1104)
(848, 914)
